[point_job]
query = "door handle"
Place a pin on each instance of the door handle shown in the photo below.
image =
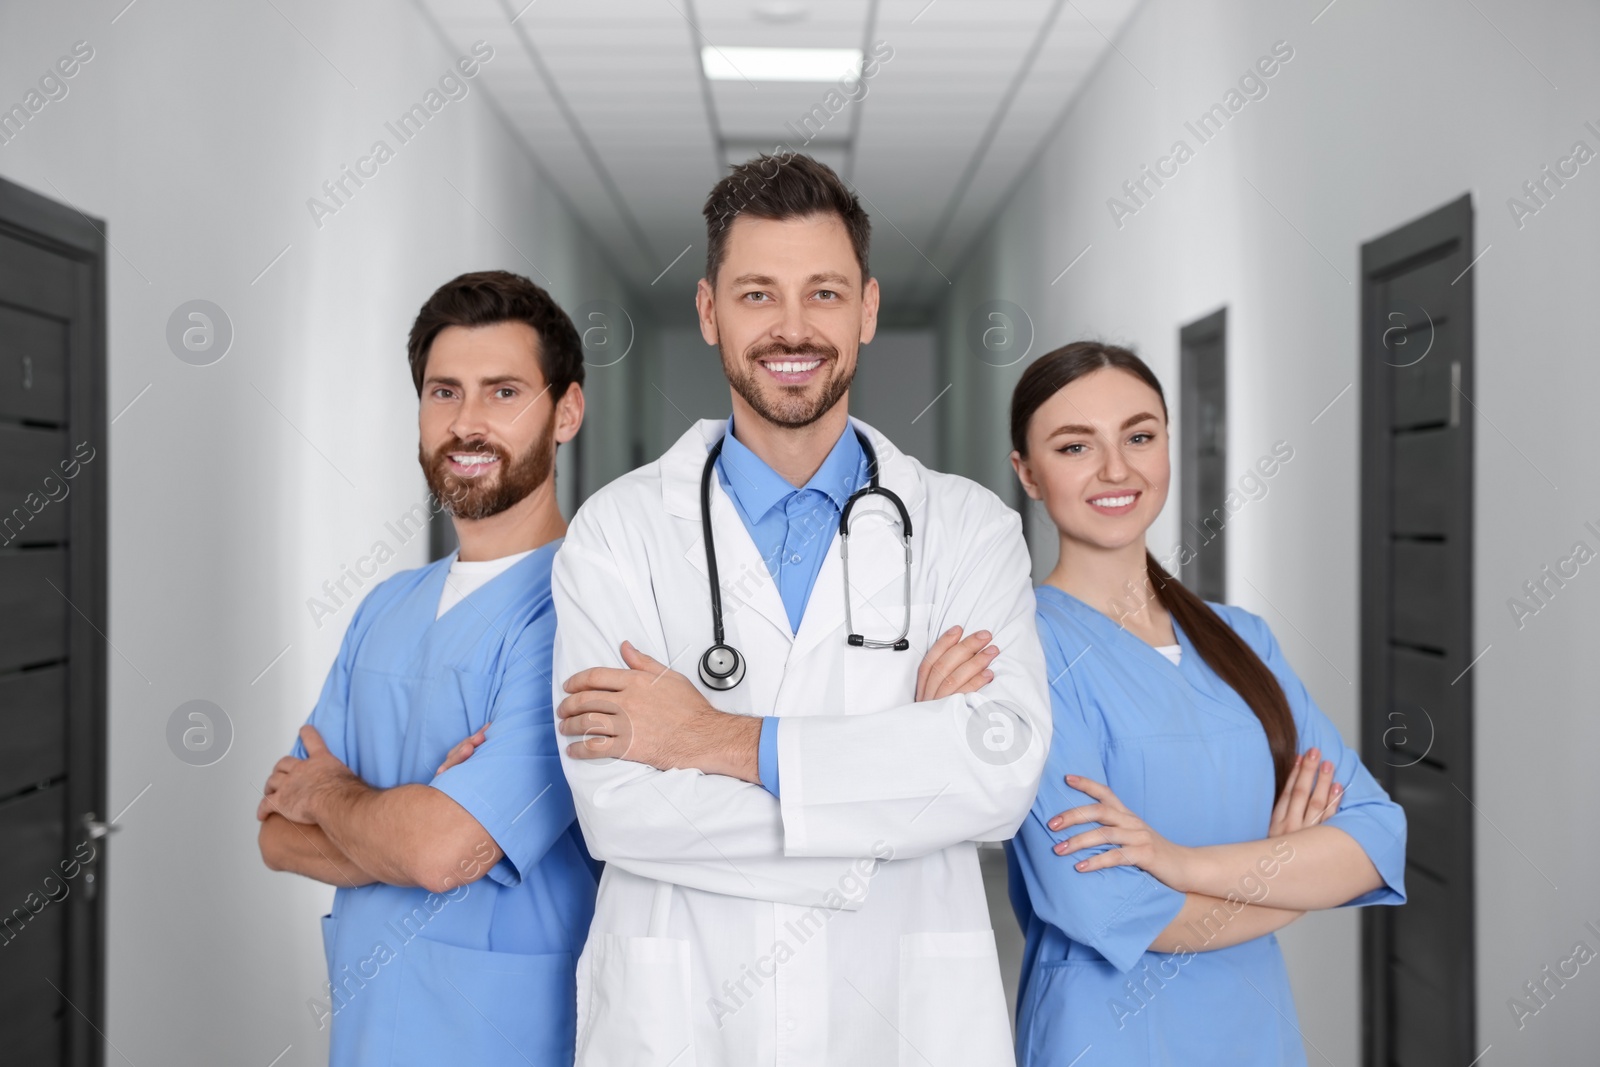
(1455, 393)
(95, 828)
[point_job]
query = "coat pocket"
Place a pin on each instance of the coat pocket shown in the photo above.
(633, 1002)
(952, 1005)
(465, 1005)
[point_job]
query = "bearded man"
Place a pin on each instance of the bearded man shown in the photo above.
(464, 891)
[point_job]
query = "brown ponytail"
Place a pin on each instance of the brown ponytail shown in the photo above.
(1216, 642)
(1234, 662)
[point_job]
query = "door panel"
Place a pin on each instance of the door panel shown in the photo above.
(1426, 713)
(1425, 602)
(33, 929)
(1427, 284)
(33, 612)
(33, 276)
(1427, 1017)
(31, 485)
(33, 367)
(1422, 928)
(35, 751)
(1434, 833)
(1425, 476)
(1421, 392)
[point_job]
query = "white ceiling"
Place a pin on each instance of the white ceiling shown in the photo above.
(610, 97)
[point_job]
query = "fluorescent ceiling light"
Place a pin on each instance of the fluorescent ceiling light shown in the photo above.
(780, 64)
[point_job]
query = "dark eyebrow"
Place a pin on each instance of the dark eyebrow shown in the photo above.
(830, 277)
(455, 383)
(1088, 431)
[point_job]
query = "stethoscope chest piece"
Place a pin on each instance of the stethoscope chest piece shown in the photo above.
(722, 667)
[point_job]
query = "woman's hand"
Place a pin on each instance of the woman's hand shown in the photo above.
(1139, 845)
(1310, 796)
(462, 750)
(956, 665)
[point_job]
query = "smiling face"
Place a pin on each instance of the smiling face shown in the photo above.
(1097, 459)
(789, 312)
(487, 423)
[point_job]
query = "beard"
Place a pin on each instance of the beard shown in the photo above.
(786, 405)
(489, 495)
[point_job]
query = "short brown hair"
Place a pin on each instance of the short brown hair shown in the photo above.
(785, 185)
(486, 297)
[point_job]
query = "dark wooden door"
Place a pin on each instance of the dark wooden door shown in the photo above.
(52, 615)
(1416, 629)
(1203, 453)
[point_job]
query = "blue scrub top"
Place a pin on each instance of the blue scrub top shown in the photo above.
(1183, 751)
(485, 973)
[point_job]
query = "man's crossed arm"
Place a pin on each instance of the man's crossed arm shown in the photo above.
(320, 820)
(652, 715)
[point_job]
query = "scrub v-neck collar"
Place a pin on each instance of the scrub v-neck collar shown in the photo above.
(433, 588)
(1103, 621)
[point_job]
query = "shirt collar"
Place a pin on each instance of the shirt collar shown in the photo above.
(758, 487)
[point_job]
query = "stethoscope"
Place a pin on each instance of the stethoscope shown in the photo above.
(722, 666)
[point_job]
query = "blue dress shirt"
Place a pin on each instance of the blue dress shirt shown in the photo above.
(792, 529)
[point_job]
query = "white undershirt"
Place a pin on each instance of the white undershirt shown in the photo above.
(1172, 652)
(466, 577)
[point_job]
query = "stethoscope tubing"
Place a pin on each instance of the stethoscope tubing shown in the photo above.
(726, 677)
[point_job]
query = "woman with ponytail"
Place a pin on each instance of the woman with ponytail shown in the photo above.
(1195, 799)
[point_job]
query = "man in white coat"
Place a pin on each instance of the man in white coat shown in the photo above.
(791, 867)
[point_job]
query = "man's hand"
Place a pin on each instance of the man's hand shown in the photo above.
(297, 786)
(463, 749)
(649, 714)
(956, 665)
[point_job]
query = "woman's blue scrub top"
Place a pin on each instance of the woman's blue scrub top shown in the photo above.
(1183, 751)
(483, 974)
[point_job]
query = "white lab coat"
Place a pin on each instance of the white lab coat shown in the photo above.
(846, 924)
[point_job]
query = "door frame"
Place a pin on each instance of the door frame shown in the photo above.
(63, 230)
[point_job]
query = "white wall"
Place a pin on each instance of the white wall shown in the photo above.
(690, 384)
(198, 131)
(1384, 113)
(895, 389)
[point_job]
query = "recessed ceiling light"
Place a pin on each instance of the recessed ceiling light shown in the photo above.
(780, 11)
(780, 64)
